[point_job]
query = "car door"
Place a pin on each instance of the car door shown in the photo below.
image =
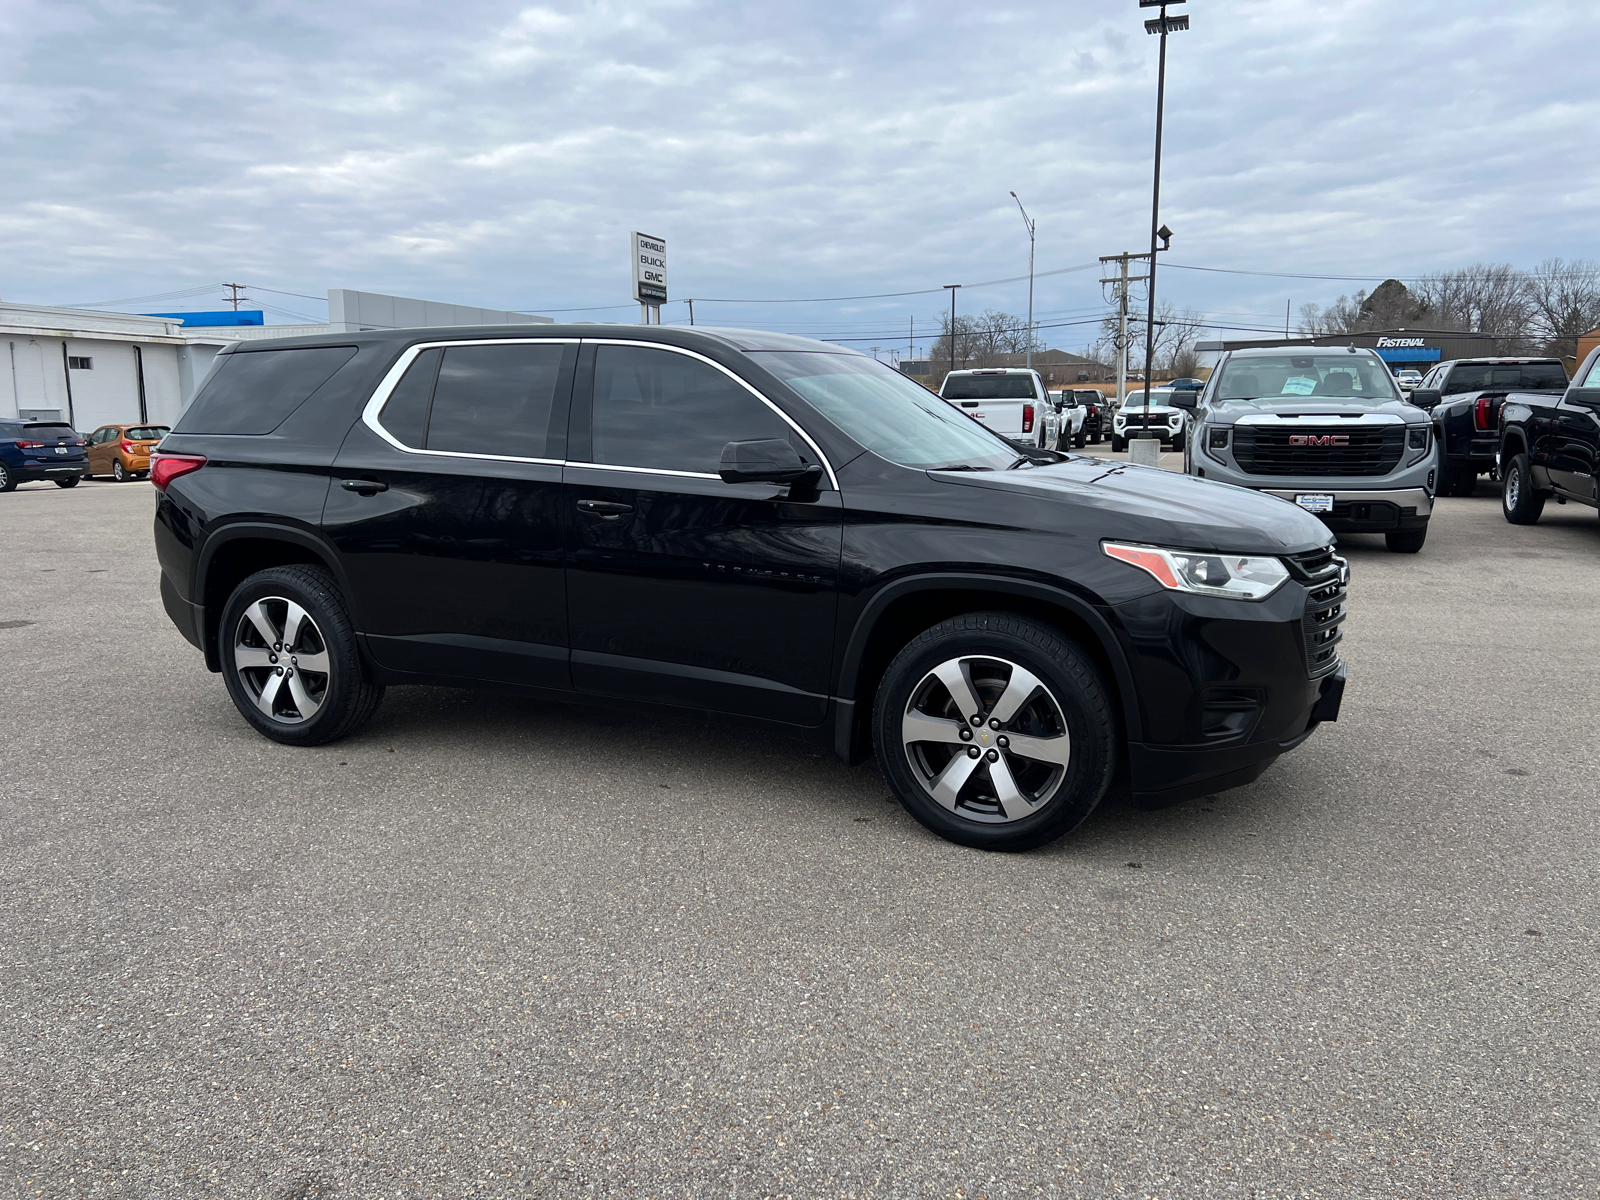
(445, 517)
(99, 440)
(1575, 437)
(682, 588)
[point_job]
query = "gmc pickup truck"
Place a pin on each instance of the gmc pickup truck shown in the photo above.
(1464, 396)
(1012, 401)
(1549, 445)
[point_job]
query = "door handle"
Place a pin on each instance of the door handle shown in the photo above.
(367, 487)
(608, 509)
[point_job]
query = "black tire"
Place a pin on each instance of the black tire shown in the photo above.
(8, 481)
(348, 697)
(1406, 541)
(1177, 443)
(1071, 704)
(1118, 445)
(71, 481)
(1078, 441)
(1456, 480)
(1518, 499)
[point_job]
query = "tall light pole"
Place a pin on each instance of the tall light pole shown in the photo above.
(1162, 25)
(952, 288)
(1032, 225)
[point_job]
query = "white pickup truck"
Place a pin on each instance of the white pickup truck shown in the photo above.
(1012, 401)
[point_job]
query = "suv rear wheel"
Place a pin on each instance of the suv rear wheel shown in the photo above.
(995, 731)
(289, 658)
(1521, 504)
(8, 481)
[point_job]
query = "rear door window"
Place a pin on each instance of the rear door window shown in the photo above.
(497, 399)
(1479, 377)
(254, 391)
(147, 433)
(665, 411)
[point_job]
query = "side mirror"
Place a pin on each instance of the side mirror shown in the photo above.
(1186, 399)
(1425, 397)
(768, 460)
(1584, 398)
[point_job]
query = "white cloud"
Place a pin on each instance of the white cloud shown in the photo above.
(498, 153)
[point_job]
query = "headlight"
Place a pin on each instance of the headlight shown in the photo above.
(1175, 419)
(1418, 437)
(1234, 576)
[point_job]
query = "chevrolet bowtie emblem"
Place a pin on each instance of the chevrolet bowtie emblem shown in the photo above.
(984, 736)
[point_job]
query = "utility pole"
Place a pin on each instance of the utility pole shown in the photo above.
(912, 345)
(952, 289)
(691, 312)
(236, 299)
(1162, 25)
(1122, 280)
(1032, 227)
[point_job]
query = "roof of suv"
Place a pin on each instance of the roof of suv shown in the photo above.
(1280, 351)
(687, 337)
(995, 371)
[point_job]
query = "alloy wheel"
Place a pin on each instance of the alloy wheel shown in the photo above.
(282, 659)
(1513, 488)
(986, 739)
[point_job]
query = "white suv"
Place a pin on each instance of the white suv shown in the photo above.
(1162, 419)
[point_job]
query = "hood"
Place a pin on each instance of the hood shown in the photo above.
(1147, 504)
(1313, 406)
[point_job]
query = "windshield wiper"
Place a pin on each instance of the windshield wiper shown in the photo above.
(1019, 462)
(958, 467)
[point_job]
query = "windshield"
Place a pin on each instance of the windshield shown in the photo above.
(1347, 376)
(1158, 397)
(887, 413)
(987, 387)
(147, 433)
(1478, 377)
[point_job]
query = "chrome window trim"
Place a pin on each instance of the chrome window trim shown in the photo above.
(782, 416)
(1320, 419)
(642, 470)
(386, 385)
(391, 379)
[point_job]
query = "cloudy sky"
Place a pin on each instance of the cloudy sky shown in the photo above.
(496, 153)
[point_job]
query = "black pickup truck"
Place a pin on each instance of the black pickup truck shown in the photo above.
(1549, 445)
(1465, 396)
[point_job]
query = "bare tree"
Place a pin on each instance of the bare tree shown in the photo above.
(1486, 298)
(1565, 301)
(1176, 334)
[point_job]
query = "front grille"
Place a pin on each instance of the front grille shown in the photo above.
(1324, 575)
(1268, 450)
(1145, 421)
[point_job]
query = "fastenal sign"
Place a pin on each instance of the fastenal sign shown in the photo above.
(1389, 343)
(649, 269)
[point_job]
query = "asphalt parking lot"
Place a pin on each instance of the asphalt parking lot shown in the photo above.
(491, 947)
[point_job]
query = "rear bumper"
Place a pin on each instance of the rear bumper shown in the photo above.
(66, 471)
(189, 618)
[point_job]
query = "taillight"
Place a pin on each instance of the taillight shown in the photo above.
(128, 447)
(29, 445)
(164, 468)
(1027, 418)
(1481, 411)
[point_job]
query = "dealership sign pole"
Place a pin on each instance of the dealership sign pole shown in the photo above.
(649, 275)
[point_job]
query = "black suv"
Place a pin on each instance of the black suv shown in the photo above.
(760, 528)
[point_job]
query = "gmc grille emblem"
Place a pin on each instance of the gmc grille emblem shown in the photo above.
(1311, 439)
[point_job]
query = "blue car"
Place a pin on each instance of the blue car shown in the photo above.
(36, 450)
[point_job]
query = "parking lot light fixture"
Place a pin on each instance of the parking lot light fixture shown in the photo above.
(1162, 25)
(952, 287)
(1032, 227)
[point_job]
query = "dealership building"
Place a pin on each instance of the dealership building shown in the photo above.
(95, 368)
(1417, 349)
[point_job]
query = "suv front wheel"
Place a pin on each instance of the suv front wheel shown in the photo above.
(995, 731)
(289, 657)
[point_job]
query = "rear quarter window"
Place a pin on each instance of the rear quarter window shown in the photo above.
(254, 391)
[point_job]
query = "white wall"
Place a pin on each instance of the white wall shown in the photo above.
(34, 365)
(163, 391)
(350, 311)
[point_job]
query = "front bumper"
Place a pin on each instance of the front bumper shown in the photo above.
(1361, 510)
